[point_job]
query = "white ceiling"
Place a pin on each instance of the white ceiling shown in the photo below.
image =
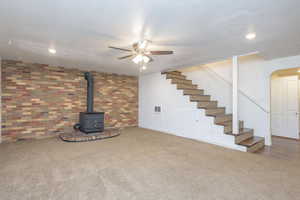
(198, 31)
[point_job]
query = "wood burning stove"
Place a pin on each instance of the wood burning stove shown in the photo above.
(90, 121)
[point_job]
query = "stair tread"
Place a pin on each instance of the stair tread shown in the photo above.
(194, 89)
(215, 108)
(187, 84)
(171, 72)
(201, 95)
(241, 131)
(223, 115)
(226, 123)
(202, 100)
(180, 79)
(251, 141)
(172, 76)
(186, 87)
(209, 101)
(207, 104)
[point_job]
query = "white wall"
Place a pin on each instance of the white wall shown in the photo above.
(178, 115)
(255, 74)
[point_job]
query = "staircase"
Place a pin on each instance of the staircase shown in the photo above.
(245, 136)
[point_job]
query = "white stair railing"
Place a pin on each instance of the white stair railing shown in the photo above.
(212, 73)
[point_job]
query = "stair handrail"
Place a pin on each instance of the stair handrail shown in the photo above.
(239, 91)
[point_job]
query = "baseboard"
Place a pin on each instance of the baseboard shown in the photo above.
(286, 138)
(235, 147)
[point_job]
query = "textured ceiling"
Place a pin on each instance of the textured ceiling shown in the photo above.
(198, 31)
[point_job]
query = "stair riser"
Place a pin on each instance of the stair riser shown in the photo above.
(178, 81)
(215, 111)
(184, 86)
(209, 104)
(245, 136)
(200, 98)
(256, 147)
(171, 76)
(223, 119)
(228, 129)
(193, 92)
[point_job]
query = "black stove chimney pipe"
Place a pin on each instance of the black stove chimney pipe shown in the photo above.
(90, 91)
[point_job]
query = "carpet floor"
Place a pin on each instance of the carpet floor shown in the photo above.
(142, 164)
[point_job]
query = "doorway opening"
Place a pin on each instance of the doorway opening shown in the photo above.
(285, 120)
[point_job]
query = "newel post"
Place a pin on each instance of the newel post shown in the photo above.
(235, 81)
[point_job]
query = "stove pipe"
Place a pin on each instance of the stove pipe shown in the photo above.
(90, 92)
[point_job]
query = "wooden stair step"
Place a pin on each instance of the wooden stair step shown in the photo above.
(251, 141)
(186, 86)
(241, 131)
(214, 111)
(228, 126)
(184, 81)
(223, 118)
(200, 98)
(244, 134)
(253, 144)
(172, 72)
(207, 104)
(258, 146)
(171, 76)
(193, 92)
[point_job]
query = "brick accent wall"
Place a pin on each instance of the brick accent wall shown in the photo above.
(40, 101)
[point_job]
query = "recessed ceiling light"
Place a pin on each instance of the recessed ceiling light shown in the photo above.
(251, 36)
(144, 67)
(299, 71)
(53, 51)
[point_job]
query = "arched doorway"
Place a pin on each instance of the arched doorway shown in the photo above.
(284, 115)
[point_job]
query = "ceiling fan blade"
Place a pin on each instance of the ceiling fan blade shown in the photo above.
(123, 57)
(161, 52)
(122, 49)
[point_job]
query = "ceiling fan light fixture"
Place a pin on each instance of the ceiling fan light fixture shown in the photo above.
(146, 59)
(139, 53)
(137, 59)
(141, 58)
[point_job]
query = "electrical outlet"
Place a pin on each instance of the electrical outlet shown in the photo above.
(157, 109)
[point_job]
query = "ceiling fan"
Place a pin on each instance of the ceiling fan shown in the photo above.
(139, 52)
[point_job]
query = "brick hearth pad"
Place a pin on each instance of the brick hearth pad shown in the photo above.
(77, 136)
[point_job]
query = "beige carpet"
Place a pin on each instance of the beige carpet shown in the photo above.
(142, 164)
